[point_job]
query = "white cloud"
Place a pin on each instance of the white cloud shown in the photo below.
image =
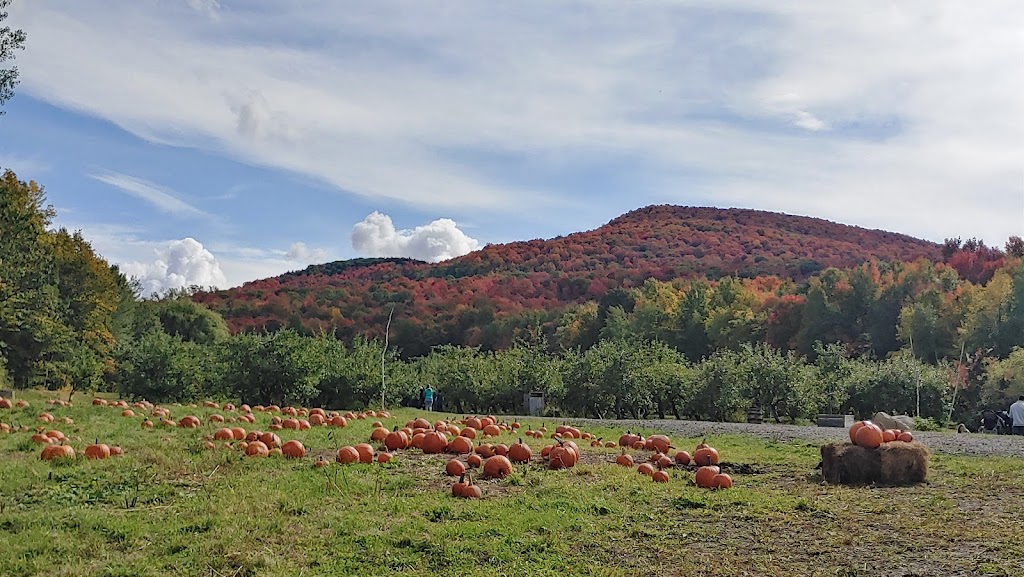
(376, 236)
(160, 197)
(177, 264)
(301, 253)
(903, 116)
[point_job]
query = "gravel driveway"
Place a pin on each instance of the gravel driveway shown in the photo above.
(964, 444)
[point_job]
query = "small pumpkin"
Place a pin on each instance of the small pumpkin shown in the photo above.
(682, 457)
(624, 459)
(721, 481)
(660, 476)
(383, 457)
(906, 437)
(474, 460)
(458, 486)
(471, 491)
(645, 469)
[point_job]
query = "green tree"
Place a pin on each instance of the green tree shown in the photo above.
(162, 368)
(1004, 380)
(10, 40)
(280, 368)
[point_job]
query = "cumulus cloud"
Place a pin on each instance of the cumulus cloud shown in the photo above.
(299, 252)
(440, 240)
(177, 264)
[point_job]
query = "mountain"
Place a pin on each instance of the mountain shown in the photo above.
(489, 295)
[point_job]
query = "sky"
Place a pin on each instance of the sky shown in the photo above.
(215, 142)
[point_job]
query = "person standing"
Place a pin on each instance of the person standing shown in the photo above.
(428, 399)
(1017, 415)
(423, 402)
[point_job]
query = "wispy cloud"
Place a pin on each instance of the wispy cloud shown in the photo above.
(783, 105)
(162, 198)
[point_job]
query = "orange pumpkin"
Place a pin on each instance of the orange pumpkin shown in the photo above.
(365, 451)
(660, 443)
(705, 456)
(433, 443)
(347, 455)
(455, 468)
(705, 475)
(563, 456)
(906, 437)
(869, 436)
(224, 434)
(682, 457)
(520, 452)
(497, 467)
(624, 460)
(52, 452)
(645, 469)
(396, 440)
(474, 460)
(721, 481)
(888, 436)
(460, 446)
(257, 449)
(492, 430)
(857, 427)
(378, 434)
(660, 476)
(459, 486)
(293, 449)
(471, 491)
(383, 457)
(469, 432)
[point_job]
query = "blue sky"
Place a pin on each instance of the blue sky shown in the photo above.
(216, 142)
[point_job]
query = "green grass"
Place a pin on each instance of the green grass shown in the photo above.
(169, 506)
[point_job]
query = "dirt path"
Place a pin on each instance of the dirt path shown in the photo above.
(964, 444)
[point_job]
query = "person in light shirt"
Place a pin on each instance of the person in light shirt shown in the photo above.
(1017, 414)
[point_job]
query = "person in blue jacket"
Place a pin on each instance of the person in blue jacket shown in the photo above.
(428, 398)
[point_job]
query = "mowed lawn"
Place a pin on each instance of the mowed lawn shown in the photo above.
(169, 506)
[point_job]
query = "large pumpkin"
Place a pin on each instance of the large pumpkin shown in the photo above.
(705, 476)
(293, 449)
(460, 446)
(347, 455)
(396, 440)
(520, 452)
(869, 436)
(434, 442)
(497, 467)
(705, 456)
(365, 451)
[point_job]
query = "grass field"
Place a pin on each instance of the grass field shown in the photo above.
(168, 506)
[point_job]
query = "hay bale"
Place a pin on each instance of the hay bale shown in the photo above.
(894, 463)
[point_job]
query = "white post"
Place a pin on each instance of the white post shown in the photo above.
(383, 353)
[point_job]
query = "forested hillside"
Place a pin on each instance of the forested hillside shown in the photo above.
(492, 296)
